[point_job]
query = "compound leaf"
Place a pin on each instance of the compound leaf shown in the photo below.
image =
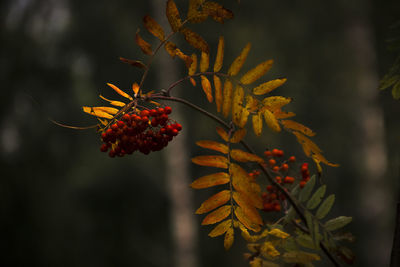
(195, 40)
(257, 123)
(248, 209)
(238, 136)
(135, 63)
(241, 216)
(306, 191)
(221, 132)
(119, 91)
(237, 104)
(204, 61)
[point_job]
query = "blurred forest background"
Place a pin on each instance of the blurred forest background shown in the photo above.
(63, 203)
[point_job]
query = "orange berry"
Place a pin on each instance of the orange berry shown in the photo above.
(288, 180)
(267, 153)
(284, 167)
(272, 162)
(278, 179)
(292, 159)
(275, 152)
(275, 168)
(302, 184)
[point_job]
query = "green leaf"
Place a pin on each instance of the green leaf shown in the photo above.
(396, 91)
(316, 234)
(316, 198)
(310, 224)
(337, 223)
(306, 191)
(290, 215)
(325, 207)
(305, 241)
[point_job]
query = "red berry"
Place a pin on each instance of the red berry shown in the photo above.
(302, 184)
(174, 132)
(288, 180)
(267, 153)
(114, 127)
(178, 126)
(275, 152)
(275, 168)
(104, 148)
(126, 117)
(270, 188)
(267, 207)
(284, 167)
(144, 113)
(144, 119)
(154, 122)
(167, 110)
(272, 162)
(153, 112)
(277, 207)
(160, 111)
(292, 159)
(278, 179)
(120, 124)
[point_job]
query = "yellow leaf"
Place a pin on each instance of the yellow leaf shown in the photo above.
(102, 112)
(211, 180)
(193, 15)
(238, 136)
(237, 104)
(320, 158)
(297, 127)
(211, 161)
(217, 11)
(257, 123)
(227, 98)
(204, 62)
(268, 86)
(217, 215)
(309, 146)
(275, 102)
(279, 114)
(278, 233)
(239, 61)
(246, 235)
(206, 85)
(220, 55)
(113, 102)
(153, 27)
(221, 132)
(248, 209)
(119, 91)
(213, 145)
(243, 117)
(242, 183)
(268, 249)
(192, 81)
(302, 257)
(214, 202)
(243, 156)
(173, 16)
(193, 66)
(187, 59)
(251, 103)
(241, 216)
(145, 46)
(257, 72)
(221, 228)
(271, 121)
(135, 88)
(218, 92)
(229, 238)
(195, 40)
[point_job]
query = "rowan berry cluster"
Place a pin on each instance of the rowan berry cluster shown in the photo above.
(273, 197)
(145, 131)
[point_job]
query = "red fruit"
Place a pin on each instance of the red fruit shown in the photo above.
(160, 111)
(270, 188)
(103, 136)
(277, 207)
(275, 168)
(145, 119)
(167, 110)
(278, 179)
(178, 126)
(302, 184)
(154, 122)
(288, 180)
(267, 153)
(264, 195)
(120, 124)
(112, 153)
(109, 132)
(126, 117)
(272, 162)
(280, 153)
(275, 152)
(114, 127)
(153, 112)
(292, 159)
(273, 196)
(104, 148)
(268, 206)
(284, 167)
(144, 113)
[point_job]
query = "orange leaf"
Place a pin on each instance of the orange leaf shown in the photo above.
(243, 118)
(187, 59)
(243, 156)
(135, 88)
(239, 61)
(221, 228)
(220, 55)
(113, 102)
(297, 127)
(145, 46)
(211, 180)
(206, 85)
(245, 220)
(276, 102)
(204, 62)
(193, 15)
(257, 72)
(173, 16)
(195, 40)
(134, 63)
(251, 103)
(221, 132)
(229, 238)
(217, 12)
(268, 86)
(319, 158)
(119, 91)
(213, 145)
(217, 215)
(153, 27)
(170, 47)
(192, 81)
(211, 161)
(218, 92)
(238, 136)
(248, 209)
(309, 146)
(214, 202)
(102, 112)
(237, 104)
(193, 66)
(227, 98)
(257, 123)
(279, 114)
(271, 121)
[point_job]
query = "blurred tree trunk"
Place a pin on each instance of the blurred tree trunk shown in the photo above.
(176, 155)
(370, 152)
